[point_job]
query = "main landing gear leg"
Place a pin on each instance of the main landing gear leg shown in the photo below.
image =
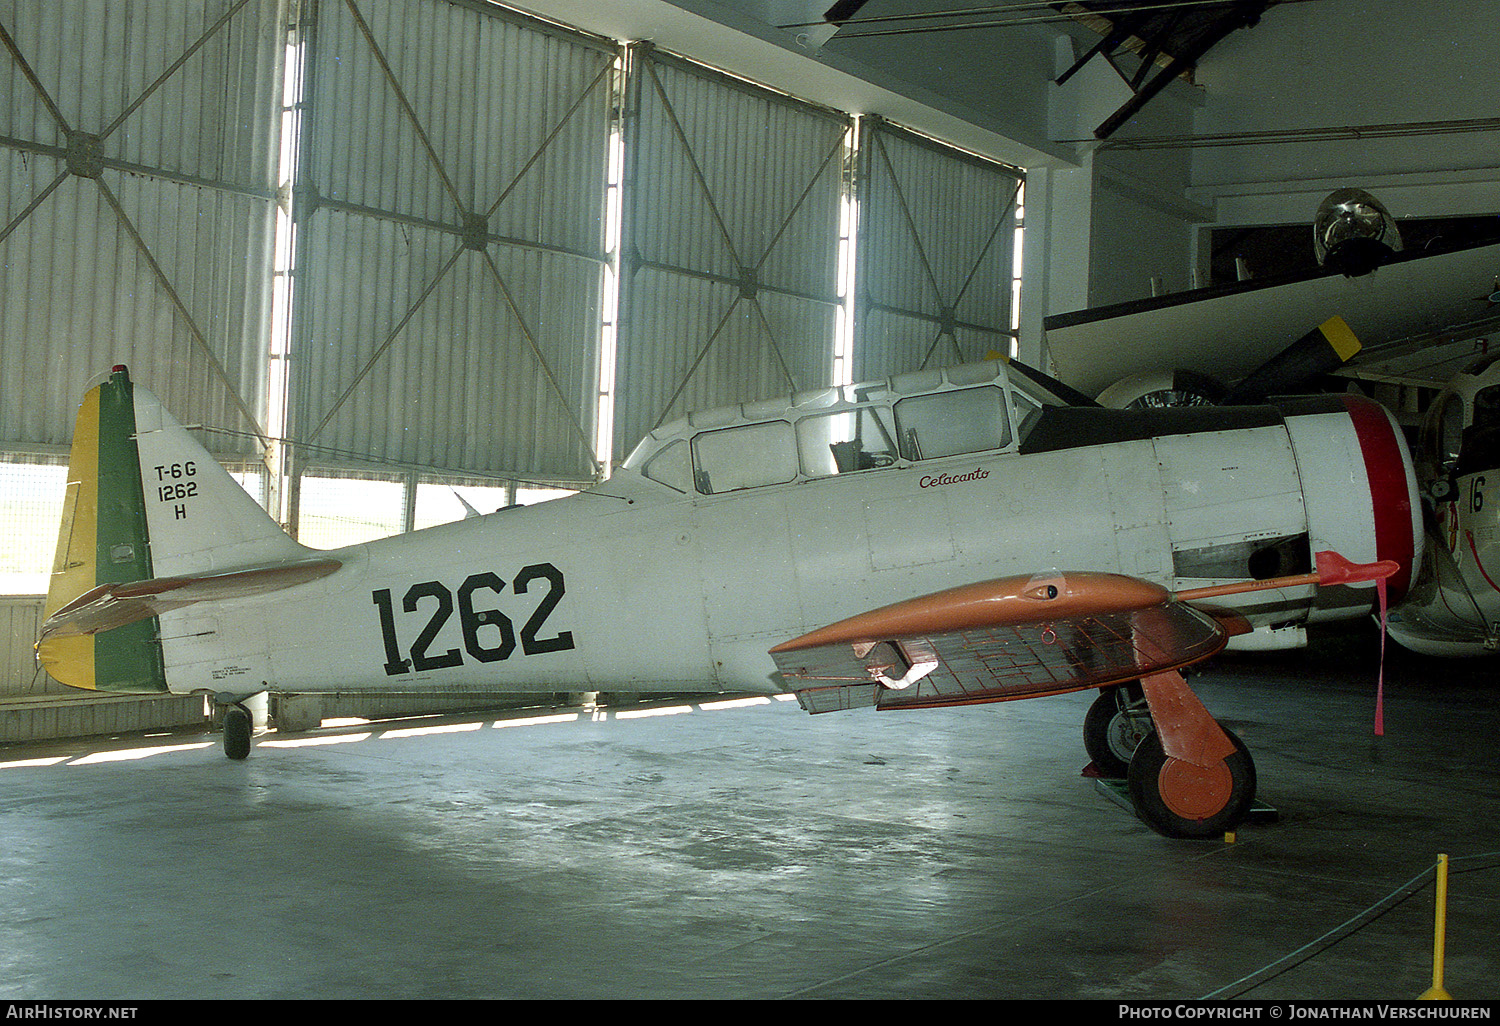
(238, 726)
(1191, 777)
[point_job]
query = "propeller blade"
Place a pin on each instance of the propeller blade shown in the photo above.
(842, 11)
(1327, 347)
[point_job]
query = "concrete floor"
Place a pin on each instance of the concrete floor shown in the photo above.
(757, 852)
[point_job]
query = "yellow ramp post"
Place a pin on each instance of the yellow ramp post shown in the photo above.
(1440, 928)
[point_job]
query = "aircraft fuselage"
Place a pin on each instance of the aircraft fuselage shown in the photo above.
(640, 585)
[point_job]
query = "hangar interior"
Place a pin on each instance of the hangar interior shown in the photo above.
(402, 261)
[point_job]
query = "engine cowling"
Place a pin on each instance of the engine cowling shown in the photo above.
(1359, 487)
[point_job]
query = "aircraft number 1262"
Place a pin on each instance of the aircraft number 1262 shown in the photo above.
(489, 635)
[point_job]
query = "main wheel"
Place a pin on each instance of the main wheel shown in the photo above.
(1114, 725)
(1178, 799)
(238, 726)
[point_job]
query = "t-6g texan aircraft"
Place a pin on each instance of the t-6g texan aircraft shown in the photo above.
(947, 537)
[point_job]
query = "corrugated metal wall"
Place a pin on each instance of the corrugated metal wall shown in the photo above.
(934, 252)
(728, 287)
(137, 196)
(138, 148)
(20, 617)
(35, 707)
(451, 250)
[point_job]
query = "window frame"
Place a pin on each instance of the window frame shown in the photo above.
(885, 425)
(915, 454)
(702, 477)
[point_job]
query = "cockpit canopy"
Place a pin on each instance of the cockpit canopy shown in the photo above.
(924, 415)
(1461, 432)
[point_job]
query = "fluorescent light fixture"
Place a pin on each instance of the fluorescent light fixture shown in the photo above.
(735, 703)
(531, 721)
(640, 714)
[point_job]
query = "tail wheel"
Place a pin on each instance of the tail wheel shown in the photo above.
(238, 726)
(1114, 725)
(1179, 799)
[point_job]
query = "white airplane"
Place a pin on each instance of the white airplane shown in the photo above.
(945, 537)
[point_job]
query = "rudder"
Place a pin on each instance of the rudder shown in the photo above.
(104, 539)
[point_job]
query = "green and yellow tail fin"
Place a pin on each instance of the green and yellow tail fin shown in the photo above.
(104, 539)
(151, 523)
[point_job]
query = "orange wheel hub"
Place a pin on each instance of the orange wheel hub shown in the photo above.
(1194, 792)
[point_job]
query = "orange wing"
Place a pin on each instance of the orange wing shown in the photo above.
(1016, 637)
(1020, 637)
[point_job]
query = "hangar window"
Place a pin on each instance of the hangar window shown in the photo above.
(34, 493)
(454, 499)
(953, 423)
(341, 509)
(840, 443)
(744, 457)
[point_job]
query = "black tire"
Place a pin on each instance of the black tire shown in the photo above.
(238, 726)
(1110, 735)
(1145, 792)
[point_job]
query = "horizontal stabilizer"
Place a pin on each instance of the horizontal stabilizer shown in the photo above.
(114, 605)
(1326, 348)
